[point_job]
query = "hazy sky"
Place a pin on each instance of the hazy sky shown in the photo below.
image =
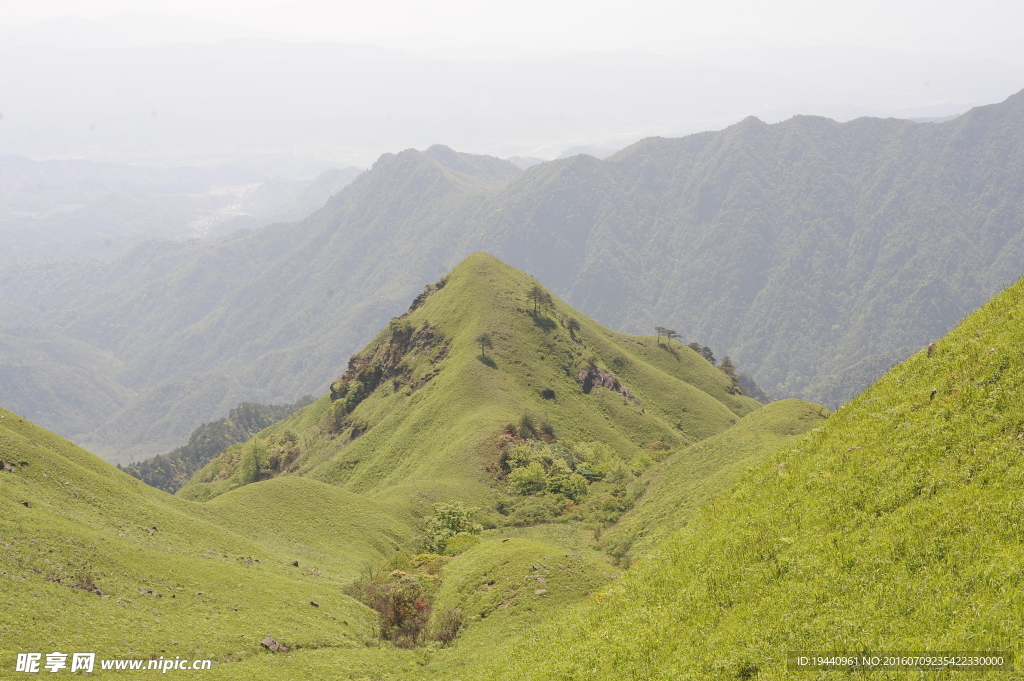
(558, 26)
(578, 73)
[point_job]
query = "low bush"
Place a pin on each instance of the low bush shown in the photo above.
(448, 626)
(449, 520)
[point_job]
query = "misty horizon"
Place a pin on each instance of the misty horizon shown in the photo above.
(205, 85)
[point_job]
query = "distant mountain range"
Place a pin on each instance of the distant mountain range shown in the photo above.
(815, 254)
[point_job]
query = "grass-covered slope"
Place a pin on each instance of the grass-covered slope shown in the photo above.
(503, 587)
(93, 559)
(894, 526)
(693, 476)
(415, 417)
(331, 528)
(500, 588)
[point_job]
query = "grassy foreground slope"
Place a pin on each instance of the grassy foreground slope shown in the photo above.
(695, 475)
(94, 560)
(79, 562)
(415, 417)
(895, 526)
(517, 579)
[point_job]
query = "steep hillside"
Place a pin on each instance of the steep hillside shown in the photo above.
(694, 476)
(816, 254)
(895, 526)
(428, 411)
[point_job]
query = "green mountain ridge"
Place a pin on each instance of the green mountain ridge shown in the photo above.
(417, 412)
(816, 254)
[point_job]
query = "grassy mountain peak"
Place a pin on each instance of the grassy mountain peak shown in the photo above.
(485, 366)
(418, 414)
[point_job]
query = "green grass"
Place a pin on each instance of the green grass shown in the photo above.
(88, 522)
(493, 584)
(894, 526)
(333, 529)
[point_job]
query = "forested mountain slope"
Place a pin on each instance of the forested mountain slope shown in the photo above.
(172, 470)
(816, 254)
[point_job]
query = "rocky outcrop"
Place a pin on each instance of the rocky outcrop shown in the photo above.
(386, 362)
(594, 376)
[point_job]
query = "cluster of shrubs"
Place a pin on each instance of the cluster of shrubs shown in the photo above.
(263, 459)
(535, 467)
(402, 589)
(550, 480)
(450, 530)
